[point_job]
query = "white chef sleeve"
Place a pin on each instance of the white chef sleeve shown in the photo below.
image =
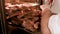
(54, 24)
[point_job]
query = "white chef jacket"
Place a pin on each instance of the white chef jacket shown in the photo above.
(54, 24)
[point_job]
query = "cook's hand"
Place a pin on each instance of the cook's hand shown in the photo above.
(45, 10)
(46, 13)
(43, 7)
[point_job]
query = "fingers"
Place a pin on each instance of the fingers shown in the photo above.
(45, 10)
(43, 7)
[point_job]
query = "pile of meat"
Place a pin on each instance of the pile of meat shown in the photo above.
(26, 15)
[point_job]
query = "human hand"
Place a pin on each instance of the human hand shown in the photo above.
(45, 10)
(46, 13)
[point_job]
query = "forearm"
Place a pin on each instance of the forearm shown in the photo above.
(44, 26)
(44, 22)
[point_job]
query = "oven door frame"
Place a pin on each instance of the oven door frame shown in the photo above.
(2, 15)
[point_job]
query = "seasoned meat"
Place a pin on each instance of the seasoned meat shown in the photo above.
(25, 15)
